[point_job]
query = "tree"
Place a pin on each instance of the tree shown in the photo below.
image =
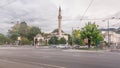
(77, 37)
(13, 37)
(18, 29)
(2, 39)
(62, 40)
(92, 33)
(53, 40)
(69, 39)
(46, 36)
(25, 41)
(33, 32)
(23, 30)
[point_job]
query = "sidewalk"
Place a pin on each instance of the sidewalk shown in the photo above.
(115, 50)
(75, 50)
(21, 47)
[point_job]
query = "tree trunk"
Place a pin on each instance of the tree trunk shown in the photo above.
(89, 43)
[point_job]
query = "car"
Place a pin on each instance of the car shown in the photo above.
(61, 46)
(68, 46)
(76, 46)
(52, 46)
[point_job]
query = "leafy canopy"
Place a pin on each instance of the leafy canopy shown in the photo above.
(92, 33)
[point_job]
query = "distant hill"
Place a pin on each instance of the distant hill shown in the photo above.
(112, 29)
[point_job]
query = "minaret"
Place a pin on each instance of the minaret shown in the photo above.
(59, 22)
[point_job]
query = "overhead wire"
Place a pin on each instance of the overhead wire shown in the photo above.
(86, 9)
(17, 17)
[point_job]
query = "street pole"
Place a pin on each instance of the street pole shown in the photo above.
(72, 36)
(108, 34)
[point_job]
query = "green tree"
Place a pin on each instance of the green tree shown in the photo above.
(62, 40)
(2, 39)
(25, 41)
(19, 29)
(13, 36)
(33, 32)
(23, 30)
(46, 36)
(69, 39)
(53, 40)
(77, 37)
(92, 33)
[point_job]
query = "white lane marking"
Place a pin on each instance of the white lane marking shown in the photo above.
(49, 65)
(15, 63)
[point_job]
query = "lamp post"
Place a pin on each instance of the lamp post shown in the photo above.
(108, 23)
(108, 33)
(73, 35)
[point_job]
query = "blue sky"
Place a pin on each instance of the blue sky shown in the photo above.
(43, 13)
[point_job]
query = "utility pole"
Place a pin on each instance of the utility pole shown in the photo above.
(72, 36)
(108, 34)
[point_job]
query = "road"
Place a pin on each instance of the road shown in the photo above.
(13, 57)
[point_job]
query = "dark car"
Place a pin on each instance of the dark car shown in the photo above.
(77, 46)
(52, 46)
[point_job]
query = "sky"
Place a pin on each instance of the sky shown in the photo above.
(43, 13)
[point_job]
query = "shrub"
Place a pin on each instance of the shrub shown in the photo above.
(25, 41)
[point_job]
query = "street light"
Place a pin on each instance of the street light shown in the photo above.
(108, 22)
(108, 30)
(72, 35)
(108, 34)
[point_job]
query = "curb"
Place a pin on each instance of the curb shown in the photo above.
(72, 50)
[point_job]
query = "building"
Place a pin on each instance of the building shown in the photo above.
(59, 32)
(59, 22)
(39, 39)
(112, 37)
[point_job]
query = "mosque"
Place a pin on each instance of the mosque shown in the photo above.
(39, 39)
(59, 32)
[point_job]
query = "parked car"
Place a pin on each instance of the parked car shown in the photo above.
(68, 46)
(61, 46)
(76, 46)
(52, 46)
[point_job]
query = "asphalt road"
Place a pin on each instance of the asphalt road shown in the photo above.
(13, 57)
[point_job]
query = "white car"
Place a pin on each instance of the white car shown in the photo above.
(68, 46)
(61, 46)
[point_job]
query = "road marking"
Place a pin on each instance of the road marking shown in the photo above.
(51, 65)
(12, 63)
(42, 64)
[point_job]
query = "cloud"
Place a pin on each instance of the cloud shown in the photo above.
(43, 13)
(36, 12)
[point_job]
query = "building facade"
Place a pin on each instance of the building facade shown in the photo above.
(59, 32)
(112, 37)
(39, 39)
